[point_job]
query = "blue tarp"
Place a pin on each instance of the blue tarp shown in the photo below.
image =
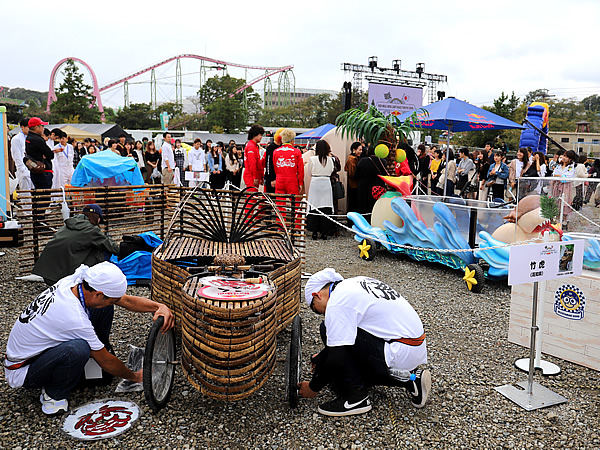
(106, 168)
(138, 265)
(316, 133)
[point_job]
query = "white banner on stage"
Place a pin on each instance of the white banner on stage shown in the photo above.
(545, 261)
(396, 100)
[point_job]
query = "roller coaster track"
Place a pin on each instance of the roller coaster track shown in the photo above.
(96, 90)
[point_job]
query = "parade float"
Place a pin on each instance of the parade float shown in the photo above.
(471, 236)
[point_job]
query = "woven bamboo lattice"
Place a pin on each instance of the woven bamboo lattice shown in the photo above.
(127, 211)
(228, 349)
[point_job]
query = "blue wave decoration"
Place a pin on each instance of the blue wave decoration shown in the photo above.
(415, 233)
(497, 258)
(363, 229)
(444, 235)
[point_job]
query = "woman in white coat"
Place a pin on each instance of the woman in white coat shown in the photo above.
(320, 195)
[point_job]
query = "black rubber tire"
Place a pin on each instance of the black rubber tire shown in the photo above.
(159, 371)
(479, 277)
(293, 363)
(371, 251)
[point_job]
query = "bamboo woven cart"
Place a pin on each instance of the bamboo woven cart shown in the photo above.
(230, 272)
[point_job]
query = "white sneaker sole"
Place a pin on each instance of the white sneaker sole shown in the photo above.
(52, 412)
(425, 388)
(350, 412)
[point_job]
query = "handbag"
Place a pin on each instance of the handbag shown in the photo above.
(338, 190)
(490, 181)
(36, 167)
(377, 191)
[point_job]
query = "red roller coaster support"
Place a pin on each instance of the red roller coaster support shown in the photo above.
(95, 88)
(98, 90)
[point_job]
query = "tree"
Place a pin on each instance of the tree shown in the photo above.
(591, 103)
(224, 111)
(73, 99)
(539, 95)
(110, 115)
(309, 113)
(32, 98)
(138, 116)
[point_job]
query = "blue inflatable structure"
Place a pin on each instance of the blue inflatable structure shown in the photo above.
(537, 115)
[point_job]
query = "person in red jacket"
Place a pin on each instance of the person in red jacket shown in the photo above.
(289, 166)
(253, 172)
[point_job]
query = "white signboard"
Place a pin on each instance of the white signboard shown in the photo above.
(545, 261)
(196, 176)
(395, 99)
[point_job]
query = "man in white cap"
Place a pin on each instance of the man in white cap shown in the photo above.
(372, 337)
(55, 335)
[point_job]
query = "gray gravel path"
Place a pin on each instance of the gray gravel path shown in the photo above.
(468, 355)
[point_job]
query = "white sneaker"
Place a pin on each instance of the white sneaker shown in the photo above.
(51, 407)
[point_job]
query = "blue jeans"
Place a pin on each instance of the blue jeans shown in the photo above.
(59, 369)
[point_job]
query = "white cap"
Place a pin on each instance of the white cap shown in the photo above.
(318, 280)
(105, 277)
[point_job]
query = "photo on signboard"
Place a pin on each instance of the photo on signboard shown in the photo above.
(565, 263)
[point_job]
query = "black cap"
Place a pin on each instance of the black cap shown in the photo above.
(93, 208)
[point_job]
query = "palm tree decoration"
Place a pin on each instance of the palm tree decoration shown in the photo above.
(377, 129)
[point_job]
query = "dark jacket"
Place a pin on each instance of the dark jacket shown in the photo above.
(269, 167)
(38, 150)
(77, 242)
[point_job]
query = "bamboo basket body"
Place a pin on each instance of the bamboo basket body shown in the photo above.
(228, 347)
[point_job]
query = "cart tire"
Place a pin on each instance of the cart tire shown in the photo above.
(293, 364)
(159, 370)
(367, 254)
(479, 277)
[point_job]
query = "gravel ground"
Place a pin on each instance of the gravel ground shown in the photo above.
(469, 355)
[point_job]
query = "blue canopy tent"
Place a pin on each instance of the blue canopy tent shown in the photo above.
(456, 115)
(316, 133)
(107, 169)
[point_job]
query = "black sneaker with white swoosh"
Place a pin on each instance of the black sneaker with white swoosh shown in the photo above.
(358, 403)
(421, 386)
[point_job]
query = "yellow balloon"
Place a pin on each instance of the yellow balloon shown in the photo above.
(400, 155)
(382, 151)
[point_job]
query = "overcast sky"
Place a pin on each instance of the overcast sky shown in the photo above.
(483, 47)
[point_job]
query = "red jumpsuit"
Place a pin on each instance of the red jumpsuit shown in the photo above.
(253, 168)
(289, 170)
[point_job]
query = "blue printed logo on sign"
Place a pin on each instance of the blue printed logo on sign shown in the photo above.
(569, 302)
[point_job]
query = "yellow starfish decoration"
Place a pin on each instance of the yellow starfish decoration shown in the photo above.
(364, 248)
(470, 278)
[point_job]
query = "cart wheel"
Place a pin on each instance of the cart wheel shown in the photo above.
(293, 363)
(159, 370)
(367, 249)
(477, 275)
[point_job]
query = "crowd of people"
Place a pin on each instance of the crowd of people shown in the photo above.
(487, 175)
(280, 167)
